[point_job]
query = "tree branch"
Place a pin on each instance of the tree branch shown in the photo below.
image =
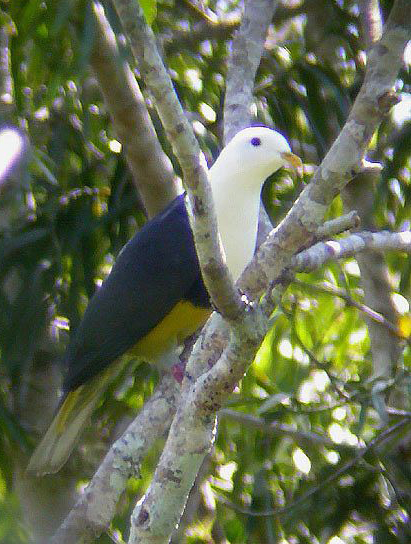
(192, 429)
(281, 429)
(323, 252)
(371, 21)
(151, 169)
(200, 12)
(180, 134)
(247, 48)
(97, 505)
(190, 438)
(338, 225)
(343, 160)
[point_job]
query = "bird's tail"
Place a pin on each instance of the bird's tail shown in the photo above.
(69, 422)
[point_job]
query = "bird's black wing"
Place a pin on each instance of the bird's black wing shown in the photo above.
(156, 269)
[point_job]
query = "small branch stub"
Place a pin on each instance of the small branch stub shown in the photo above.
(387, 100)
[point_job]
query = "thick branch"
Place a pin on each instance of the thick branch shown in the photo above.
(190, 438)
(151, 168)
(345, 157)
(247, 48)
(180, 134)
(96, 507)
(191, 433)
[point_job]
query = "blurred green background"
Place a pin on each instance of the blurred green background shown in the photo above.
(70, 205)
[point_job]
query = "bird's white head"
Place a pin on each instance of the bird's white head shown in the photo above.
(254, 154)
(236, 179)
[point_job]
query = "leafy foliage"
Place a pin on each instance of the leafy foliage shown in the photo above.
(71, 207)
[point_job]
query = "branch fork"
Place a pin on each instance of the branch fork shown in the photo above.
(193, 428)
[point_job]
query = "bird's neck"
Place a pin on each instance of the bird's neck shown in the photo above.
(237, 207)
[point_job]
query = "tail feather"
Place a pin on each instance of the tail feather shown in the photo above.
(68, 424)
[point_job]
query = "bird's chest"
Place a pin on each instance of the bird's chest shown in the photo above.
(183, 320)
(238, 231)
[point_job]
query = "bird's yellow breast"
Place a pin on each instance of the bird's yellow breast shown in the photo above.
(183, 320)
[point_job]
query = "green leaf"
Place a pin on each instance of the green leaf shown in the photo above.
(150, 9)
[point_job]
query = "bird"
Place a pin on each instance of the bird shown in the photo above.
(154, 297)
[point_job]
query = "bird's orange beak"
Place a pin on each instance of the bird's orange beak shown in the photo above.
(294, 162)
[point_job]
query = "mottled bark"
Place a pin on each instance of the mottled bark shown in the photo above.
(185, 146)
(385, 347)
(192, 431)
(151, 169)
(96, 507)
(360, 242)
(246, 51)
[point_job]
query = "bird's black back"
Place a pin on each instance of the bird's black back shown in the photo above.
(156, 269)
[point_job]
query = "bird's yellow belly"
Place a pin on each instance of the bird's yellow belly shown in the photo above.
(183, 320)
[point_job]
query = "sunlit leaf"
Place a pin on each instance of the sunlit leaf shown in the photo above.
(150, 9)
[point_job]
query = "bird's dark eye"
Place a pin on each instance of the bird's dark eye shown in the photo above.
(255, 142)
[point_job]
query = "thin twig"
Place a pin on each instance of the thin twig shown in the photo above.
(337, 226)
(369, 312)
(332, 250)
(199, 12)
(323, 366)
(281, 429)
(277, 512)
